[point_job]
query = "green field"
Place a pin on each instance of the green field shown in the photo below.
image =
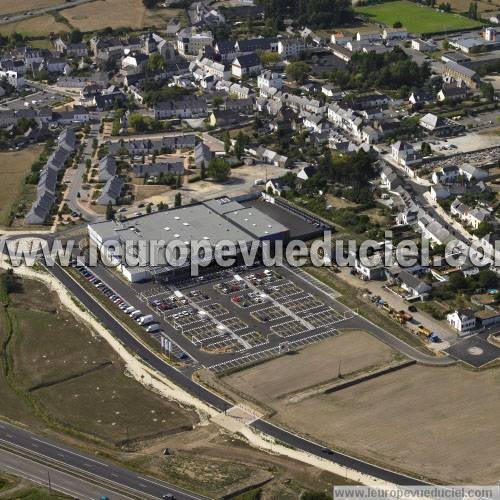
(416, 18)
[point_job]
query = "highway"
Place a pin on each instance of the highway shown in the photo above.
(93, 474)
(203, 394)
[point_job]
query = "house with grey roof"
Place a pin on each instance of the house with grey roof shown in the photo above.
(111, 191)
(107, 168)
(416, 288)
(40, 210)
(202, 154)
(175, 167)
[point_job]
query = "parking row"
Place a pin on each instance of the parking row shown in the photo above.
(271, 352)
(145, 320)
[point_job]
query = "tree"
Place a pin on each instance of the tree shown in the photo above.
(217, 101)
(227, 141)
(149, 208)
(242, 140)
(425, 149)
(268, 58)
(487, 91)
(203, 171)
(219, 169)
(75, 36)
(178, 200)
(150, 4)
(298, 71)
(397, 25)
(110, 213)
(163, 206)
(156, 62)
(487, 279)
(137, 122)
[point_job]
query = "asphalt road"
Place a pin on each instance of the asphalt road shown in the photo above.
(212, 399)
(40, 474)
(90, 467)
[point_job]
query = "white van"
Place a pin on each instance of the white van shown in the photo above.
(153, 328)
(149, 318)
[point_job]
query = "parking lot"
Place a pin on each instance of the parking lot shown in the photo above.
(244, 313)
(229, 317)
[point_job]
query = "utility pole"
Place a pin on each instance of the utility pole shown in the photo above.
(339, 375)
(50, 484)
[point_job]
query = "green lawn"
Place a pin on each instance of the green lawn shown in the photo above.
(416, 18)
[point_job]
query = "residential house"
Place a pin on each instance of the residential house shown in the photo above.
(290, 47)
(268, 80)
(246, 65)
(416, 288)
(470, 172)
(225, 50)
(434, 231)
(71, 49)
(423, 45)
(462, 320)
(276, 187)
(451, 92)
(388, 178)
(404, 154)
(445, 175)
(394, 34)
(222, 118)
(254, 44)
(439, 192)
(175, 167)
(420, 97)
(111, 191)
(368, 37)
(186, 107)
(202, 154)
(107, 168)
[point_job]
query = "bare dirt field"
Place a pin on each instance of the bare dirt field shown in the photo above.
(316, 364)
(240, 182)
(35, 26)
(115, 14)
(441, 423)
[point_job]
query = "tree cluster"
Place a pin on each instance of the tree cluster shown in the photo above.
(311, 13)
(391, 70)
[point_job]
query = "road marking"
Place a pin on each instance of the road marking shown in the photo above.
(70, 452)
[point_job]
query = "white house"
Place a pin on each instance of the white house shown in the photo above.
(394, 34)
(373, 36)
(246, 65)
(404, 153)
(13, 78)
(290, 47)
(423, 45)
(445, 175)
(267, 80)
(471, 172)
(463, 320)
